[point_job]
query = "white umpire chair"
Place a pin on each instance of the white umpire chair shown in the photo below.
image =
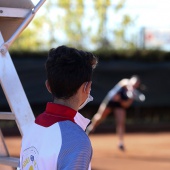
(15, 15)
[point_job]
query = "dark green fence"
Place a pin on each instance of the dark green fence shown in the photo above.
(151, 115)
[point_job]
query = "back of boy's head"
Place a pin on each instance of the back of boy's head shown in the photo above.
(67, 69)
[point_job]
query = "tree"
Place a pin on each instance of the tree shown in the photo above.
(78, 23)
(28, 39)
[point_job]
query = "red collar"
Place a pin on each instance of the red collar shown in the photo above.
(55, 113)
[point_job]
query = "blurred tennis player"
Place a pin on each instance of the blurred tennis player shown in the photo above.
(118, 99)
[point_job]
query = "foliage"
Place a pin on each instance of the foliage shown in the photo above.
(79, 24)
(28, 39)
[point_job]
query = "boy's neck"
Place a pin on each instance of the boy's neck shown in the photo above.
(67, 102)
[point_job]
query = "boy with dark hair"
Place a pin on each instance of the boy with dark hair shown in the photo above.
(57, 139)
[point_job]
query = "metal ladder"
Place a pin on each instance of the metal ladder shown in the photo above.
(21, 111)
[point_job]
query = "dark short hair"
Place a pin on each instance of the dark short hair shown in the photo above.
(67, 69)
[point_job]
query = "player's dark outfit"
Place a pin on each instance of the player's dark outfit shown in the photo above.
(123, 95)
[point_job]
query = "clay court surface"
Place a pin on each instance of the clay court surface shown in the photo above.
(144, 151)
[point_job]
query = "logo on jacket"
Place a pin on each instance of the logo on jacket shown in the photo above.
(29, 159)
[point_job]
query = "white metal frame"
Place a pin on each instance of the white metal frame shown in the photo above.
(14, 92)
(21, 111)
(13, 12)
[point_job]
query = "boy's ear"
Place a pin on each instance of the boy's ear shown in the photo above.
(47, 86)
(87, 87)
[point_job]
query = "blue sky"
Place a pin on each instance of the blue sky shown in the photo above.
(154, 15)
(150, 13)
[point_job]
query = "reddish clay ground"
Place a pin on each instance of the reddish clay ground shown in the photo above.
(143, 151)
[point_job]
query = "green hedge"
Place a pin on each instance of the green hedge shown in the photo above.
(135, 55)
(28, 54)
(103, 54)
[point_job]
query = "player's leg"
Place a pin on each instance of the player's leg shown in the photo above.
(120, 115)
(98, 118)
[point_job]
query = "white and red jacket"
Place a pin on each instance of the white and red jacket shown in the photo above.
(56, 141)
